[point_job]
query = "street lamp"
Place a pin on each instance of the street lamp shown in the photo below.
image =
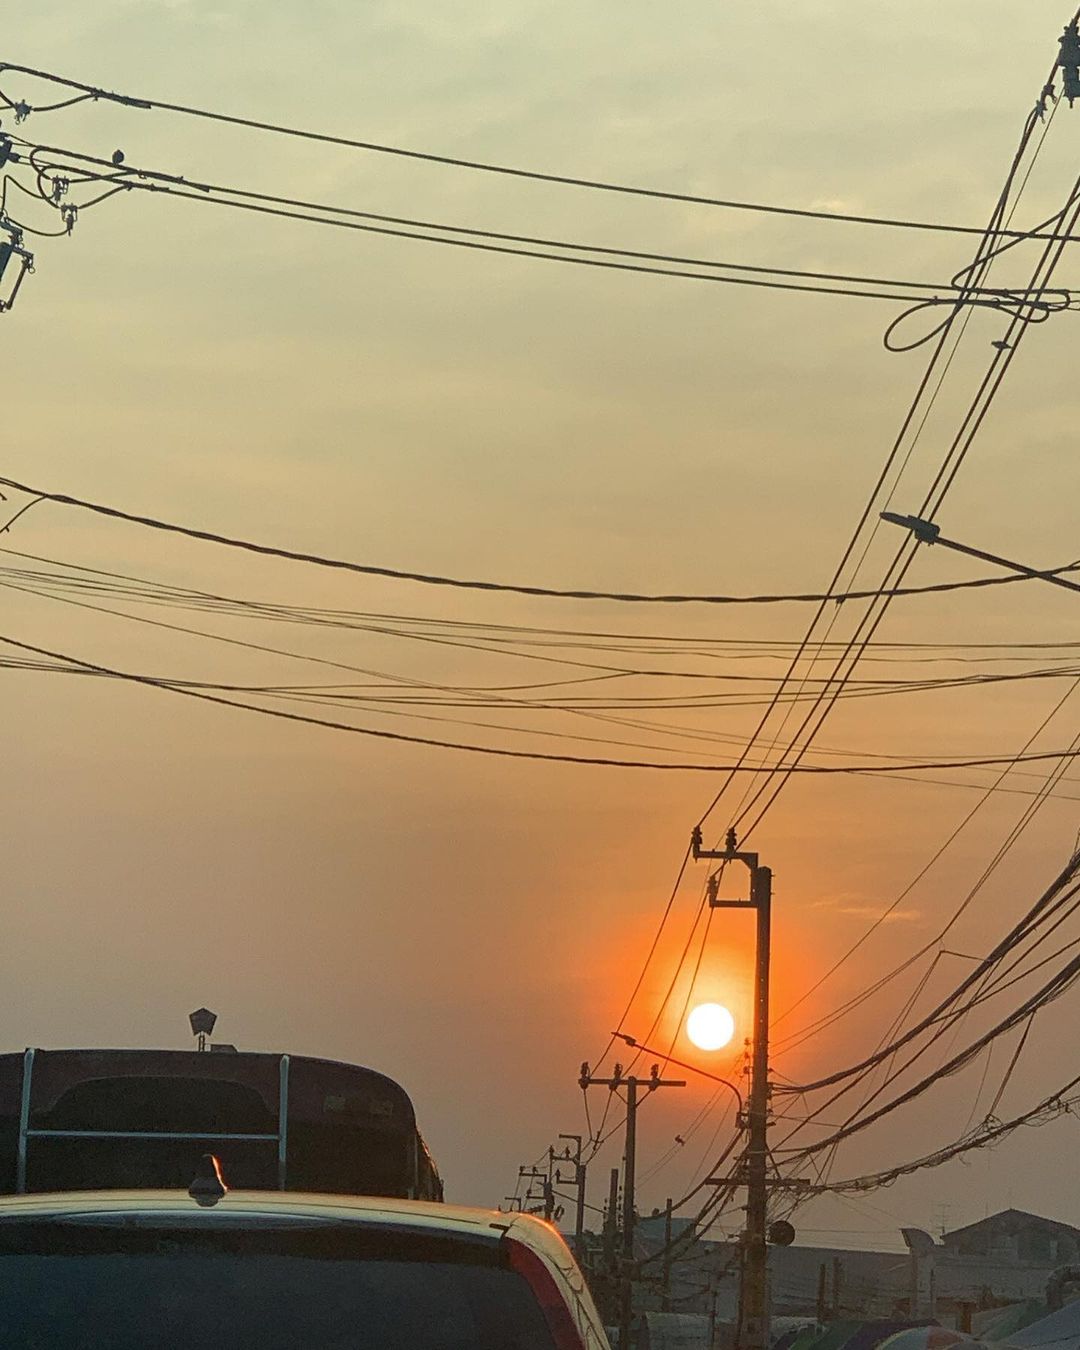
(202, 1025)
(926, 532)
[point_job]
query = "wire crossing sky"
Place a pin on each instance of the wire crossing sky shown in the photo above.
(458, 484)
(88, 92)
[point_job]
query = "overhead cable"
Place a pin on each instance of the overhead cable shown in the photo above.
(920, 294)
(1004, 353)
(90, 92)
(1053, 989)
(434, 579)
(177, 687)
(1064, 878)
(893, 455)
(1051, 1107)
(950, 839)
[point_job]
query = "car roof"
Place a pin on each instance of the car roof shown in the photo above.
(374, 1211)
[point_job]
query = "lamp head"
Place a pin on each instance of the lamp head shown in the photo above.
(202, 1021)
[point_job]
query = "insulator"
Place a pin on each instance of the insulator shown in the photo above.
(1070, 47)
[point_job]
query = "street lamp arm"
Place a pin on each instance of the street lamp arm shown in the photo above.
(682, 1064)
(928, 533)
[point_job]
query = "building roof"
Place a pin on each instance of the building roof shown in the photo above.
(1014, 1218)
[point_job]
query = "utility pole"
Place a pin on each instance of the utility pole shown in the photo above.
(665, 1303)
(578, 1183)
(12, 247)
(611, 1220)
(610, 1249)
(753, 1330)
(532, 1174)
(631, 1085)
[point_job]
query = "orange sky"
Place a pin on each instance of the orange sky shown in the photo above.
(474, 926)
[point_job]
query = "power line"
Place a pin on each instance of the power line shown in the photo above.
(698, 645)
(1057, 888)
(338, 696)
(1048, 1109)
(434, 579)
(1004, 353)
(943, 481)
(1057, 901)
(648, 960)
(178, 687)
(638, 1044)
(939, 852)
(1053, 989)
(973, 274)
(54, 587)
(942, 1018)
(88, 92)
(978, 268)
(920, 294)
(497, 697)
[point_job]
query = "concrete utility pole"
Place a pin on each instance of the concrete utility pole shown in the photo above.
(547, 1194)
(608, 1272)
(753, 1332)
(611, 1221)
(578, 1183)
(631, 1084)
(11, 246)
(665, 1304)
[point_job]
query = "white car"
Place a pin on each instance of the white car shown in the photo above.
(254, 1270)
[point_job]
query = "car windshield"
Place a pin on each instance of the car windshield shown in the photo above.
(132, 1287)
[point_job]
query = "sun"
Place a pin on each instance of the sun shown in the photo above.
(710, 1026)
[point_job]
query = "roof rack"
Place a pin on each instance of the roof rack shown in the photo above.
(26, 1133)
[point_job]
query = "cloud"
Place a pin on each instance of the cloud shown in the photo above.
(868, 911)
(857, 910)
(841, 205)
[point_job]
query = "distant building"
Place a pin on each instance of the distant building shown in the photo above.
(1002, 1259)
(1014, 1235)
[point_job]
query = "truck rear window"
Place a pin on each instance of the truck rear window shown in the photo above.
(119, 1286)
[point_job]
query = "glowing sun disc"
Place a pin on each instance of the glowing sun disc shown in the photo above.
(710, 1026)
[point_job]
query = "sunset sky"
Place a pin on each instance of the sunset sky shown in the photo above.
(474, 925)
